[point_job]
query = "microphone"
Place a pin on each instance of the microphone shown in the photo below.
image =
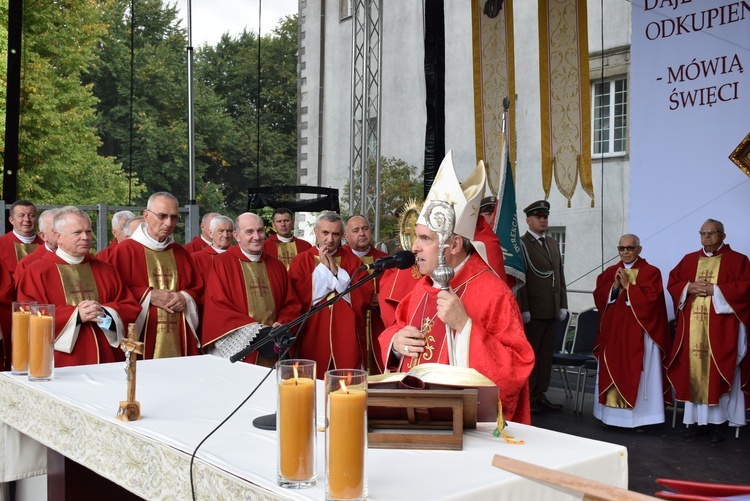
(401, 260)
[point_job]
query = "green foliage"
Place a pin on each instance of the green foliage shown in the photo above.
(3, 67)
(58, 158)
(399, 183)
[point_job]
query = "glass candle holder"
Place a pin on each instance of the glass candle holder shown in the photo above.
(19, 363)
(346, 434)
(42, 342)
(296, 424)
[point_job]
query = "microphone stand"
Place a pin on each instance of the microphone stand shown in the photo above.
(285, 339)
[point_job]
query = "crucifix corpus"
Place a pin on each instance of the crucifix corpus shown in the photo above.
(130, 409)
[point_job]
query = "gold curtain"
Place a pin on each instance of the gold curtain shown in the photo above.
(565, 96)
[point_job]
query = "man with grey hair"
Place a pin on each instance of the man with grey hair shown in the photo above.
(633, 340)
(222, 229)
(118, 220)
(92, 306)
(199, 242)
(330, 336)
(160, 273)
(47, 235)
(709, 366)
(246, 290)
(130, 225)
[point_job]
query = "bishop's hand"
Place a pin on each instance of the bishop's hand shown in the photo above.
(451, 310)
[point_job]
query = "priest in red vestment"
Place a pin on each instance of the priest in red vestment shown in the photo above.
(118, 222)
(221, 229)
(47, 234)
(369, 324)
(709, 367)
(633, 340)
(203, 240)
(92, 306)
(329, 336)
(245, 291)
(283, 244)
(160, 274)
(477, 322)
(22, 240)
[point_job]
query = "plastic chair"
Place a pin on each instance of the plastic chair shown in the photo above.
(704, 491)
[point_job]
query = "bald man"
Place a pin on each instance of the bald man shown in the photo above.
(204, 239)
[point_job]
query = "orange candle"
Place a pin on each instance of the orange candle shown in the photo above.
(20, 342)
(296, 419)
(41, 348)
(346, 443)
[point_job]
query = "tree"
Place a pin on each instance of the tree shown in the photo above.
(400, 182)
(58, 158)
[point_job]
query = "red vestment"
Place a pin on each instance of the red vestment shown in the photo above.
(734, 282)
(498, 347)
(395, 285)
(24, 263)
(619, 343)
(130, 261)
(225, 301)
(202, 261)
(195, 245)
(330, 336)
(9, 255)
(483, 233)
(106, 253)
(362, 300)
(7, 292)
(42, 282)
(271, 247)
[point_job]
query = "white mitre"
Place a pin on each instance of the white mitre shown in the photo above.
(465, 197)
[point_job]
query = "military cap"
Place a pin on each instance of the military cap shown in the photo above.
(487, 204)
(538, 207)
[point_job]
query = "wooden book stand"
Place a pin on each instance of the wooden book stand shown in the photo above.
(417, 430)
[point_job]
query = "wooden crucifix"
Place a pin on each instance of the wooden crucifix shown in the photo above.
(130, 409)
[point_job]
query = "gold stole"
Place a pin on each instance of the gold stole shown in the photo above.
(78, 283)
(162, 275)
(699, 341)
(613, 397)
(425, 322)
(23, 250)
(286, 251)
(260, 304)
(332, 293)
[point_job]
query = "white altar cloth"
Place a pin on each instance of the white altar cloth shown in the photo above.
(183, 399)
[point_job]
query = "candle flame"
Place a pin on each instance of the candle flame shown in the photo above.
(294, 368)
(343, 386)
(38, 313)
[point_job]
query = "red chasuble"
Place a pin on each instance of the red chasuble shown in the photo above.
(720, 356)
(13, 250)
(106, 253)
(51, 280)
(202, 261)
(197, 244)
(330, 336)
(483, 233)
(24, 263)
(130, 259)
(226, 301)
(283, 251)
(395, 285)
(498, 348)
(367, 317)
(619, 343)
(7, 291)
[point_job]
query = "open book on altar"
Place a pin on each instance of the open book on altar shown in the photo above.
(443, 377)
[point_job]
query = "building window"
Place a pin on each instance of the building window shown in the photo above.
(610, 110)
(345, 9)
(558, 234)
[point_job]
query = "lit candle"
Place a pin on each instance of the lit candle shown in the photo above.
(20, 342)
(41, 348)
(296, 418)
(346, 442)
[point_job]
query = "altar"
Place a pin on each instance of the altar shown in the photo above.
(183, 399)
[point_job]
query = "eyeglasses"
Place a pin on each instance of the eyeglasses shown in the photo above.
(629, 248)
(163, 217)
(709, 232)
